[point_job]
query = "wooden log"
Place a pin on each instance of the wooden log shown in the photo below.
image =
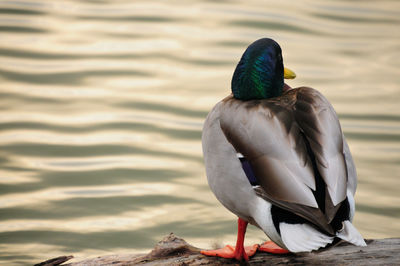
(173, 250)
(55, 261)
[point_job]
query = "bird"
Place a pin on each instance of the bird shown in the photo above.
(277, 158)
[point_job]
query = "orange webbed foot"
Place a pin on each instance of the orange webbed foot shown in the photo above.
(230, 252)
(273, 248)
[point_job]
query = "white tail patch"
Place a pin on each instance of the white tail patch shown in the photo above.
(303, 237)
(351, 235)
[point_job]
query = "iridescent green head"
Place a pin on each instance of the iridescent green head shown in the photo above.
(260, 72)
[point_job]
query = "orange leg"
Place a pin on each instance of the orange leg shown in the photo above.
(238, 252)
(271, 247)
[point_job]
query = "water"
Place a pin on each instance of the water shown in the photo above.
(102, 105)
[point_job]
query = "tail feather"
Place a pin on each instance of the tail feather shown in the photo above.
(303, 237)
(350, 234)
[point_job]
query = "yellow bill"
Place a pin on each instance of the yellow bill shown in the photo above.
(288, 74)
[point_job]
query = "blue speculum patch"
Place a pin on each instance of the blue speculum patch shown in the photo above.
(249, 171)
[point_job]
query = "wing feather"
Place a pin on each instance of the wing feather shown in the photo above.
(270, 134)
(322, 129)
(350, 167)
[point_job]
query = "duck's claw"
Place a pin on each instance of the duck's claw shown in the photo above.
(230, 252)
(271, 247)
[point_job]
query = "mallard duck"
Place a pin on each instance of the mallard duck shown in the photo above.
(277, 158)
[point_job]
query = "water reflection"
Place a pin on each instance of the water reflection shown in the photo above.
(103, 103)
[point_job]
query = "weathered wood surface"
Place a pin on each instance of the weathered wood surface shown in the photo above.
(173, 250)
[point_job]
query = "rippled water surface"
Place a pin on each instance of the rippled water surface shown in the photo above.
(102, 105)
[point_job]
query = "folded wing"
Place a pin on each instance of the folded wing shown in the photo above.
(275, 135)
